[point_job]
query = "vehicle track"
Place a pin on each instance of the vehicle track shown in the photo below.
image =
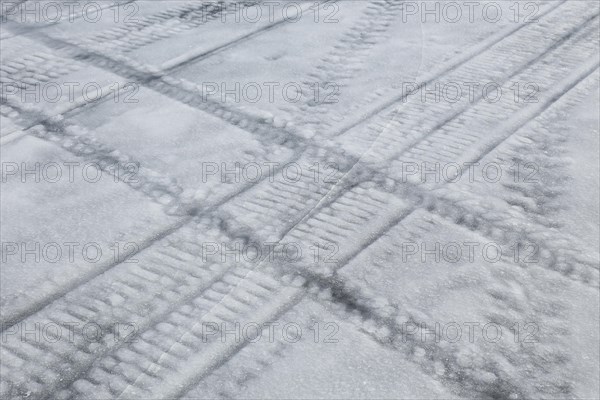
(382, 320)
(271, 194)
(410, 112)
(221, 301)
(145, 379)
(502, 385)
(155, 187)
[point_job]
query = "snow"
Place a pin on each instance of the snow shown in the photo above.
(401, 285)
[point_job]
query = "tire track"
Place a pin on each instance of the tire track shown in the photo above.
(152, 186)
(503, 386)
(200, 362)
(151, 77)
(448, 68)
(374, 315)
(415, 119)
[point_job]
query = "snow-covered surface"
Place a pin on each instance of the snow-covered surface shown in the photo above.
(346, 268)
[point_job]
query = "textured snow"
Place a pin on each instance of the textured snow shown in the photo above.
(353, 281)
